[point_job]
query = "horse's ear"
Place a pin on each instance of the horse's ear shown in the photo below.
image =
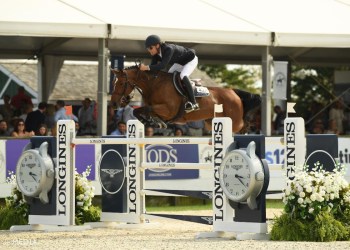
(115, 71)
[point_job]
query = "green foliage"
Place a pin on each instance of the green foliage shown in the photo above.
(92, 214)
(323, 229)
(242, 77)
(10, 216)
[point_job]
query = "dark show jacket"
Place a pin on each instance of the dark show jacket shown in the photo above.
(33, 120)
(171, 54)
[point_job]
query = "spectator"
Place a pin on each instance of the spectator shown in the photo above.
(42, 131)
(4, 129)
(179, 132)
(121, 129)
(20, 131)
(149, 131)
(61, 113)
(50, 117)
(111, 119)
(278, 121)
(26, 110)
(6, 110)
(125, 111)
(337, 113)
(36, 118)
(195, 128)
(332, 127)
(20, 100)
(87, 123)
(317, 127)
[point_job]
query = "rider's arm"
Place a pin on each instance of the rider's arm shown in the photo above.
(167, 54)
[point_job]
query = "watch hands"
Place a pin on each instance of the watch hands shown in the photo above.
(33, 175)
(239, 179)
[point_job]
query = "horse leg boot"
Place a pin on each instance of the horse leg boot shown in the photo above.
(191, 105)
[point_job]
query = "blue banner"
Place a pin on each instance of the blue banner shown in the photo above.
(172, 153)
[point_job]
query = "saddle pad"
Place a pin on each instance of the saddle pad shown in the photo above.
(201, 91)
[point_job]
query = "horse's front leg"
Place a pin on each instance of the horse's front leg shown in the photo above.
(143, 115)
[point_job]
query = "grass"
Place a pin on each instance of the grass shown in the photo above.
(276, 204)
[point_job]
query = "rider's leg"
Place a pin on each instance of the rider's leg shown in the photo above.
(186, 71)
(192, 104)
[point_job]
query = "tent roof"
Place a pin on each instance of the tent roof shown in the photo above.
(225, 31)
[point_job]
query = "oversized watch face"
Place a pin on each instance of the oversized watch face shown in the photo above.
(29, 172)
(235, 176)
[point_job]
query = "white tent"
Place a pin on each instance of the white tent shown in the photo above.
(221, 31)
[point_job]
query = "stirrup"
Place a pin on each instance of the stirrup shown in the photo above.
(189, 107)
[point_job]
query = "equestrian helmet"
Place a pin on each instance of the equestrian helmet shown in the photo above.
(152, 40)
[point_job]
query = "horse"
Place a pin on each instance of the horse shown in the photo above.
(163, 104)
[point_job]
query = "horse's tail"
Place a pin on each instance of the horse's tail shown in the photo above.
(251, 103)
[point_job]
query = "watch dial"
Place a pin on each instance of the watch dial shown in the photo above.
(29, 172)
(236, 175)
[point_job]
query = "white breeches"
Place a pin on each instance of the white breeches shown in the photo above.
(186, 70)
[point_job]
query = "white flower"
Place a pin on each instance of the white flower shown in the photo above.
(302, 194)
(311, 210)
(300, 200)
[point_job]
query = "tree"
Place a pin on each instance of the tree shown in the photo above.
(242, 77)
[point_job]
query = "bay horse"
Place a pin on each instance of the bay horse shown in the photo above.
(163, 104)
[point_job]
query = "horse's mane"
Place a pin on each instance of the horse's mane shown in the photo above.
(132, 67)
(161, 73)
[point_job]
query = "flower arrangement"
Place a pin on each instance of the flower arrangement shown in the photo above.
(16, 210)
(317, 207)
(84, 192)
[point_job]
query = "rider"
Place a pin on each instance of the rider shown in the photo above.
(180, 58)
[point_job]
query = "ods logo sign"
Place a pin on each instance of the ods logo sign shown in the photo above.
(161, 154)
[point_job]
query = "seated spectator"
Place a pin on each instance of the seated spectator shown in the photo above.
(20, 131)
(195, 128)
(42, 131)
(4, 129)
(317, 127)
(179, 132)
(149, 131)
(121, 129)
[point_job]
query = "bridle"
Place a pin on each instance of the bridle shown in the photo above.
(127, 83)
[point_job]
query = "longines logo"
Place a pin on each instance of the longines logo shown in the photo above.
(112, 172)
(237, 167)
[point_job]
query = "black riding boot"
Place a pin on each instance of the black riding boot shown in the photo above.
(191, 105)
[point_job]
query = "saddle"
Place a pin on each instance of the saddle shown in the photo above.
(199, 90)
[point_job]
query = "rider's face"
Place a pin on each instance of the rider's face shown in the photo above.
(153, 50)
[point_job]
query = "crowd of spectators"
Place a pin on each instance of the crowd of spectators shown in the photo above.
(18, 118)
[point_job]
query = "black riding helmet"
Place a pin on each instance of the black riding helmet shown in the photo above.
(152, 40)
